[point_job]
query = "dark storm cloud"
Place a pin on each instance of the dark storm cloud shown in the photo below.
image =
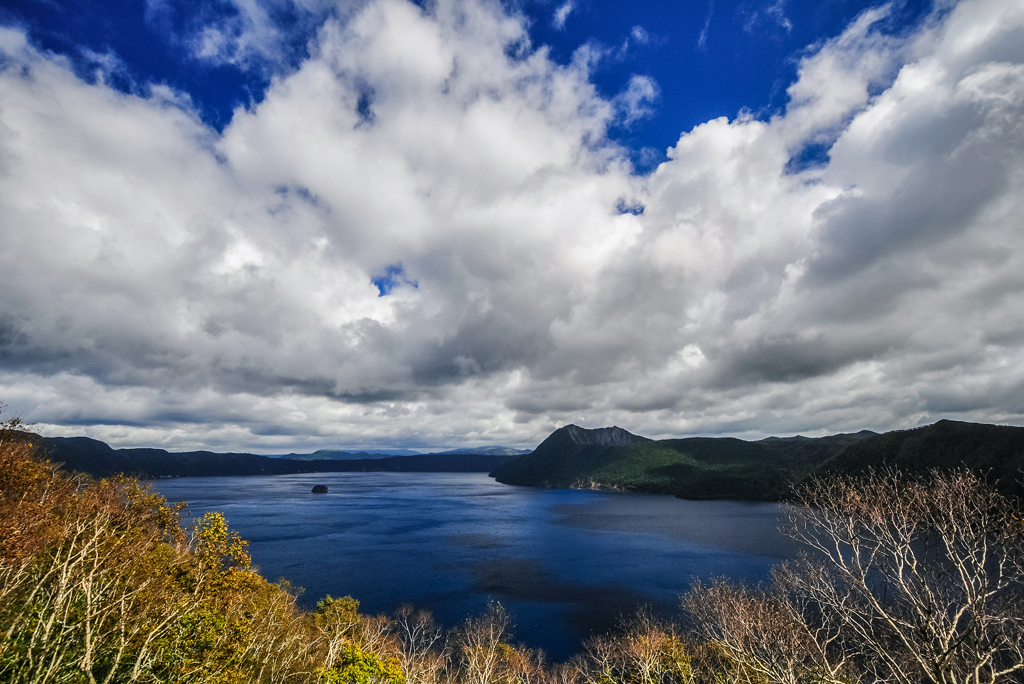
(786, 358)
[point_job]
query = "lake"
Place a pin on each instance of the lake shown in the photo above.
(565, 563)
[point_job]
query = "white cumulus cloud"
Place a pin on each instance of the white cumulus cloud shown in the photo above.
(167, 284)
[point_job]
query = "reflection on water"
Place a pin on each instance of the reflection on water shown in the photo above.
(565, 563)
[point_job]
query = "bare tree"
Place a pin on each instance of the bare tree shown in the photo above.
(762, 636)
(599, 660)
(921, 576)
(645, 650)
(481, 646)
(524, 665)
(562, 673)
(422, 640)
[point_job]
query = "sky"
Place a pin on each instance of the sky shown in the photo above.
(286, 225)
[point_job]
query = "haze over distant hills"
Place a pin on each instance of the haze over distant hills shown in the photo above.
(340, 455)
(490, 451)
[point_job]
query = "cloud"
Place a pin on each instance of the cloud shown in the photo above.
(258, 35)
(635, 101)
(638, 35)
(702, 39)
(774, 13)
(777, 12)
(168, 284)
(561, 14)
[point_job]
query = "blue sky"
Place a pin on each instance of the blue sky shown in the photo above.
(705, 59)
(282, 225)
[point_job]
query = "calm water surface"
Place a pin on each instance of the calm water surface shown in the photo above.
(565, 563)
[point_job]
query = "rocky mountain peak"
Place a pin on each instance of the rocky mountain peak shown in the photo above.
(606, 436)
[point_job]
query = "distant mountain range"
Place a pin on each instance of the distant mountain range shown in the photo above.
(728, 468)
(612, 458)
(338, 455)
(489, 451)
(98, 459)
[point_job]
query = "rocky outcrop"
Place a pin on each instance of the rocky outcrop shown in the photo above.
(567, 455)
(606, 436)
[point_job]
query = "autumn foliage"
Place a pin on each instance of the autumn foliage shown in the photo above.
(103, 582)
(908, 581)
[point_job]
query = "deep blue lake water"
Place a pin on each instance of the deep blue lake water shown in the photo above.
(565, 563)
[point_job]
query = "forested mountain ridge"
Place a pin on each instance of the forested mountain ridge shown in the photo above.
(613, 458)
(83, 454)
(692, 468)
(768, 469)
(996, 452)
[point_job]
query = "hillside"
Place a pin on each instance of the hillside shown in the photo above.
(994, 451)
(693, 468)
(612, 458)
(98, 459)
(728, 468)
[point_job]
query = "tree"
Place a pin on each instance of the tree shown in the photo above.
(908, 581)
(91, 597)
(480, 646)
(645, 650)
(422, 656)
(356, 666)
(922, 577)
(761, 636)
(99, 582)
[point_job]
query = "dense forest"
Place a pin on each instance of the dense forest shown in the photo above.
(910, 580)
(768, 469)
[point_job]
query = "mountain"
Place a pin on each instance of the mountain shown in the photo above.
(994, 451)
(605, 437)
(338, 455)
(813, 449)
(488, 451)
(566, 456)
(612, 458)
(98, 459)
(693, 468)
(728, 468)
